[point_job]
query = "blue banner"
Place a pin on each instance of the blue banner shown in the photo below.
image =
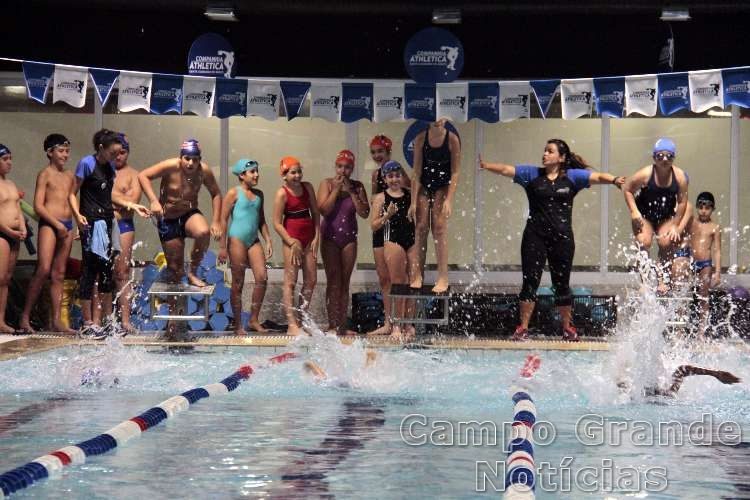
(294, 94)
(104, 80)
(484, 101)
(413, 131)
(356, 102)
(674, 92)
(231, 97)
(545, 91)
(610, 96)
(211, 55)
(736, 87)
(166, 93)
(434, 55)
(38, 77)
(420, 101)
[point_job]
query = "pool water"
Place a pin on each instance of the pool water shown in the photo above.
(281, 434)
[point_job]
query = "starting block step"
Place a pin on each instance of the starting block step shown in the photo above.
(418, 293)
(183, 290)
(180, 289)
(423, 297)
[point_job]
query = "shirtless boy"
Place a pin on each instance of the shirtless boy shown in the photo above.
(126, 196)
(12, 231)
(55, 235)
(177, 211)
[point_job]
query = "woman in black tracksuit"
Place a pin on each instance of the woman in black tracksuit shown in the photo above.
(548, 235)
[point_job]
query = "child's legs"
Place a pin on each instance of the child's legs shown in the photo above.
(395, 257)
(8, 258)
(439, 225)
(238, 263)
(348, 261)
(290, 281)
(260, 276)
(385, 280)
(309, 276)
(46, 244)
(57, 276)
(422, 228)
(332, 264)
(122, 275)
(197, 228)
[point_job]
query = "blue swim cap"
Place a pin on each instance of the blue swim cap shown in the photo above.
(124, 141)
(243, 165)
(665, 144)
(4, 150)
(390, 166)
(190, 147)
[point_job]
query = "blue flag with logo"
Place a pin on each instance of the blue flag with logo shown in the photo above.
(420, 101)
(166, 93)
(674, 92)
(38, 77)
(231, 97)
(356, 102)
(545, 91)
(294, 94)
(104, 80)
(484, 102)
(610, 96)
(736, 86)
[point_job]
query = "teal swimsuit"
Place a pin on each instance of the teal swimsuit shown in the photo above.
(245, 218)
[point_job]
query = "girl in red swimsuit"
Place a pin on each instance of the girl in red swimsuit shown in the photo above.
(296, 220)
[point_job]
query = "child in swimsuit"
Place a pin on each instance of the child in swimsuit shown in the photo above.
(12, 231)
(390, 211)
(245, 204)
(340, 201)
(55, 237)
(296, 219)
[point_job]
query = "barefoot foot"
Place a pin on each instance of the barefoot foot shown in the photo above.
(441, 285)
(294, 330)
(25, 327)
(59, 327)
(255, 326)
(383, 330)
(410, 333)
(416, 283)
(6, 329)
(195, 280)
(396, 334)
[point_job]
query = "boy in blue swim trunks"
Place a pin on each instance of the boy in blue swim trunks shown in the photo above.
(705, 244)
(126, 196)
(55, 235)
(12, 230)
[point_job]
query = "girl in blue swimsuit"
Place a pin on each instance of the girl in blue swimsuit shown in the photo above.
(240, 242)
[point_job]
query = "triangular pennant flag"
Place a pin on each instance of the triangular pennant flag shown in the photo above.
(70, 84)
(577, 97)
(198, 94)
(484, 101)
(37, 77)
(166, 93)
(545, 91)
(263, 99)
(736, 86)
(325, 101)
(640, 94)
(104, 80)
(706, 90)
(420, 101)
(356, 102)
(514, 100)
(389, 102)
(134, 91)
(231, 97)
(452, 100)
(674, 92)
(294, 94)
(610, 96)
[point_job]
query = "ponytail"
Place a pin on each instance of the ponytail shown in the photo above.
(572, 160)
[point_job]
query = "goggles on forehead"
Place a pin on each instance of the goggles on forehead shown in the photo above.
(64, 144)
(664, 156)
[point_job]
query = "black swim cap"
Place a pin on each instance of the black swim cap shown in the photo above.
(705, 198)
(54, 140)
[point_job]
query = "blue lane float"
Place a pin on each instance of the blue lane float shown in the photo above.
(52, 463)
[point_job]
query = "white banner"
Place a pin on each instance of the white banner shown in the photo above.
(325, 101)
(514, 100)
(134, 91)
(453, 101)
(198, 94)
(389, 102)
(70, 84)
(706, 90)
(263, 99)
(641, 94)
(577, 97)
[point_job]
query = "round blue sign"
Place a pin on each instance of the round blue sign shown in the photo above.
(434, 55)
(211, 55)
(413, 131)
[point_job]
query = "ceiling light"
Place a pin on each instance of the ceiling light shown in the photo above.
(446, 16)
(220, 13)
(675, 14)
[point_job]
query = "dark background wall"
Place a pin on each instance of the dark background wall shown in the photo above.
(365, 39)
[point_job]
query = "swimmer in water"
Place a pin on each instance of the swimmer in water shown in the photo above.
(319, 375)
(677, 377)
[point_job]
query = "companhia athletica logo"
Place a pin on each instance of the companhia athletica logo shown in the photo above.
(424, 103)
(455, 102)
(233, 98)
(390, 102)
(169, 94)
(266, 100)
(518, 100)
(204, 97)
(648, 93)
(712, 89)
(221, 62)
(485, 102)
(446, 56)
(680, 92)
(140, 91)
(42, 82)
(332, 101)
(739, 88)
(584, 97)
(76, 85)
(358, 102)
(615, 97)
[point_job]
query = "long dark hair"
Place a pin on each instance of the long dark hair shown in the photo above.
(572, 160)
